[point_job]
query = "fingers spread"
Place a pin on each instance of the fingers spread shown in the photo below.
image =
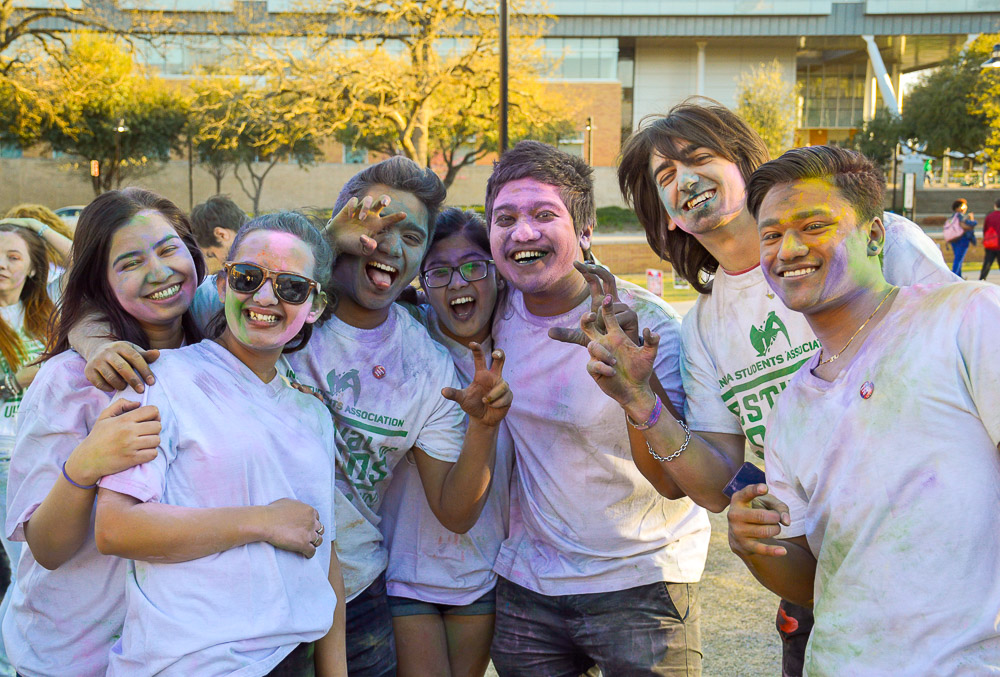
(610, 285)
(450, 394)
(478, 356)
(496, 367)
(569, 336)
(610, 320)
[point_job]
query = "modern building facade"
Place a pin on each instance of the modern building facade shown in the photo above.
(623, 59)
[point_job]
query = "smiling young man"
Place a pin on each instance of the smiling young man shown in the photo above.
(685, 174)
(881, 454)
(598, 567)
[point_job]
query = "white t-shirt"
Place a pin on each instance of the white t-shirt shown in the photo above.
(898, 494)
(64, 621)
(383, 387)
(427, 561)
(742, 343)
(228, 440)
(583, 519)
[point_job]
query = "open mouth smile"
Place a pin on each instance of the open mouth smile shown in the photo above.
(381, 275)
(463, 307)
(164, 294)
(798, 272)
(528, 256)
(262, 318)
(698, 200)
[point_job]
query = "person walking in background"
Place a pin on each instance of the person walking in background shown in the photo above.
(991, 240)
(960, 232)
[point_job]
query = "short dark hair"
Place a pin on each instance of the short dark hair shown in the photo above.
(87, 288)
(217, 211)
(996, 203)
(573, 177)
(857, 178)
(704, 123)
(298, 225)
(455, 221)
(957, 204)
(402, 174)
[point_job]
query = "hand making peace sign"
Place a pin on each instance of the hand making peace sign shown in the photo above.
(488, 397)
(353, 229)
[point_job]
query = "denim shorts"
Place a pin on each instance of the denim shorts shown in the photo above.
(371, 646)
(404, 606)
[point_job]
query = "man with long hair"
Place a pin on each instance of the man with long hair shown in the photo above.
(685, 175)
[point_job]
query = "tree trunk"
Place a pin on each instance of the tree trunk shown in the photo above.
(421, 137)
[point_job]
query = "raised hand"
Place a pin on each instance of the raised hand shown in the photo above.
(124, 435)
(353, 229)
(121, 364)
(487, 398)
(602, 283)
(754, 519)
(619, 367)
(294, 526)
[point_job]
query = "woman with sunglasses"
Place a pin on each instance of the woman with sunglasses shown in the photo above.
(236, 436)
(136, 266)
(441, 584)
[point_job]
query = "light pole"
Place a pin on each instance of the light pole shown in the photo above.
(590, 141)
(504, 17)
(120, 129)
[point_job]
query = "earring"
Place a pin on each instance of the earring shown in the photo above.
(873, 248)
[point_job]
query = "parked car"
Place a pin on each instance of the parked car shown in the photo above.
(70, 215)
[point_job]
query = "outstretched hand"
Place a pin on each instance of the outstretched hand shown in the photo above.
(488, 397)
(353, 229)
(602, 283)
(620, 368)
(754, 519)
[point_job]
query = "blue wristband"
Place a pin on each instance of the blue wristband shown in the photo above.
(78, 486)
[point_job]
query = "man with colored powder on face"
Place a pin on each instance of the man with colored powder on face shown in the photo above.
(685, 175)
(883, 472)
(381, 376)
(598, 568)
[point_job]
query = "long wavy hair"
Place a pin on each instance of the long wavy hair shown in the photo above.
(87, 289)
(704, 123)
(38, 307)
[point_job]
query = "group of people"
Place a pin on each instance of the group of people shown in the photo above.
(304, 462)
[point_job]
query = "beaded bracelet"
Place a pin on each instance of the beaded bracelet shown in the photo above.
(687, 441)
(78, 486)
(9, 387)
(654, 416)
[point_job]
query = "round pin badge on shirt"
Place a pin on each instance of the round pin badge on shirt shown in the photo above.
(378, 371)
(867, 388)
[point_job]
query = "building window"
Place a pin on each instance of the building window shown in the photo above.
(583, 58)
(355, 156)
(833, 95)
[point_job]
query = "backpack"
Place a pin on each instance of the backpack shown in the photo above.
(953, 229)
(991, 238)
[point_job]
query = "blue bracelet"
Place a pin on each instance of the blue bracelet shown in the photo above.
(78, 486)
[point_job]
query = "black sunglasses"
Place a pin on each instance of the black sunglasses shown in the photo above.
(246, 278)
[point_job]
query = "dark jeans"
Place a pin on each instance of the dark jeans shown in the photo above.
(371, 646)
(959, 247)
(989, 257)
(648, 630)
(794, 624)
